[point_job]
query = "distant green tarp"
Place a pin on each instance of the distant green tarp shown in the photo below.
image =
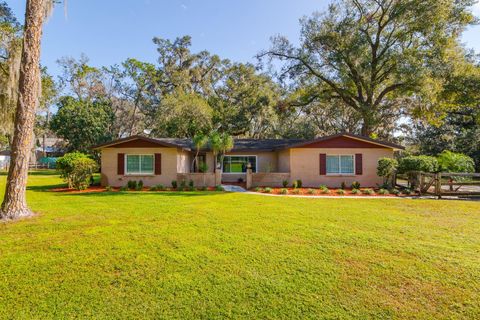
(49, 161)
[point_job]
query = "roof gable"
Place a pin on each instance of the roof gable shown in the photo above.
(346, 140)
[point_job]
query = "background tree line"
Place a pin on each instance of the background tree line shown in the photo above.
(384, 68)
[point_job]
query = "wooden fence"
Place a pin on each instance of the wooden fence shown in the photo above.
(446, 183)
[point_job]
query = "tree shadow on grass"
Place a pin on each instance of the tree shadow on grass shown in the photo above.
(47, 188)
(45, 172)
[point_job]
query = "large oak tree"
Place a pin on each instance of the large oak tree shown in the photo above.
(366, 54)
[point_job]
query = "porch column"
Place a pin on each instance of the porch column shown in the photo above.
(218, 177)
(249, 179)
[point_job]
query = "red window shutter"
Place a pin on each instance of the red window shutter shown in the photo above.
(121, 163)
(323, 164)
(158, 164)
(358, 164)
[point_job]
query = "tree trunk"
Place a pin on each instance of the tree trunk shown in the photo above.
(14, 203)
(366, 131)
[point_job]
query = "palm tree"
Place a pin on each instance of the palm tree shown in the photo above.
(225, 143)
(215, 141)
(14, 203)
(199, 140)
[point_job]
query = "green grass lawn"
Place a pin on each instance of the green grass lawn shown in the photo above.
(219, 255)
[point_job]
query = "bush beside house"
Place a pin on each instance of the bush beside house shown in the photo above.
(386, 169)
(77, 169)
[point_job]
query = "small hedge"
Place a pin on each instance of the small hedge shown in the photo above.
(418, 163)
(409, 165)
(386, 169)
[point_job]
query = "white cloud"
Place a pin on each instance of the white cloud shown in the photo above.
(184, 6)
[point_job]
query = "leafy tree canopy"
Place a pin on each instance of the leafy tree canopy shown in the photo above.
(455, 162)
(83, 124)
(372, 56)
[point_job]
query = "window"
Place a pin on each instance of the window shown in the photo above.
(238, 164)
(340, 164)
(139, 164)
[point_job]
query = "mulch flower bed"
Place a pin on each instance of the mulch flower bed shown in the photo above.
(320, 192)
(275, 191)
(98, 189)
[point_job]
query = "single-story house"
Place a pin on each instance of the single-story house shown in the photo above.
(327, 161)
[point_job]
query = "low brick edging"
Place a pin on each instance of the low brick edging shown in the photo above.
(327, 197)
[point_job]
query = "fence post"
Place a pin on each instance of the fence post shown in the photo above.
(438, 185)
(422, 182)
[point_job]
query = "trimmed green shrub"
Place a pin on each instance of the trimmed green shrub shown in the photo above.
(65, 163)
(153, 188)
(340, 192)
(191, 184)
(183, 184)
(267, 190)
(325, 191)
(258, 189)
(132, 185)
(299, 183)
(355, 185)
(295, 184)
(356, 191)
(219, 188)
(418, 163)
(383, 191)
(407, 192)
(83, 170)
(311, 191)
(386, 168)
(76, 169)
(343, 185)
(124, 188)
(395, 192)
(174, 184)
(284, 191)
(139, 186)
(285, 183)
(369, 192)
(160, 187)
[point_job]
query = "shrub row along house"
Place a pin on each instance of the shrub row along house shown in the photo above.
(324, 161)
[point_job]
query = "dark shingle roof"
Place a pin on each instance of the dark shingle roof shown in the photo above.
(239, 144)
(247, 144)
(263, 144)
(181, 143)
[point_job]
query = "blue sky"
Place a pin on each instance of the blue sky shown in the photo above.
(109, 31)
